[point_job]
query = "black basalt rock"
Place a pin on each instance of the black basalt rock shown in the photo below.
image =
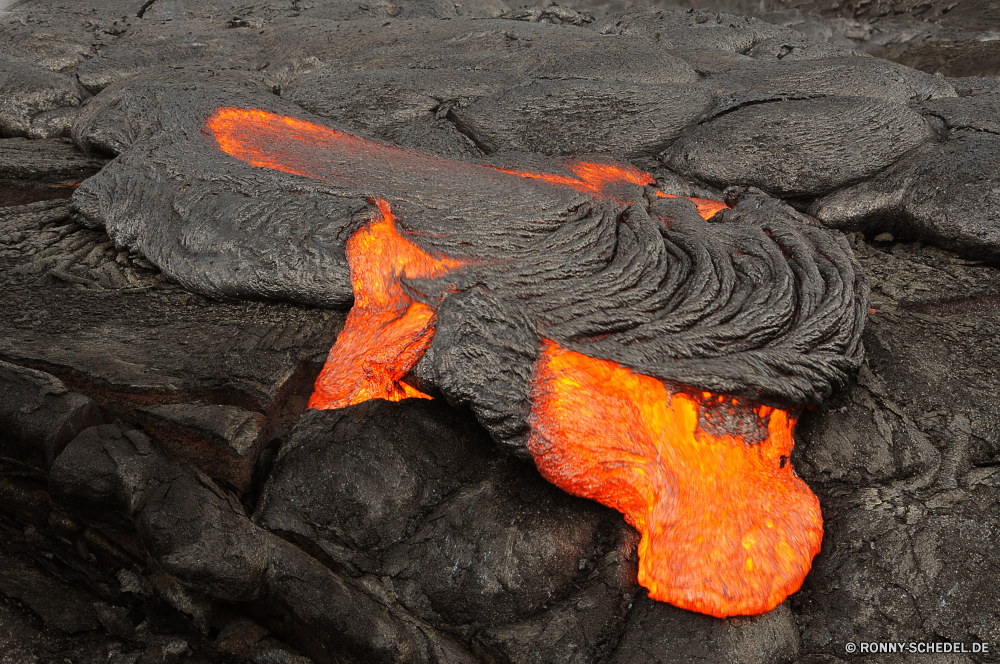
(188, 298)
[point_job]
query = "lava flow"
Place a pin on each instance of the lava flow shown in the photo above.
(707, 208)
(727, 528)
(386, 332)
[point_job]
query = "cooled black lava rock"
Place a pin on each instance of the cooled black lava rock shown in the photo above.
(199, 533)
(944, 193)
(600, 276)
(39, 416)
(398, 532)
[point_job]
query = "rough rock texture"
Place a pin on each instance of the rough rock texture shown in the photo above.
(35, 102)
(669, 635)
(927, 195)
(935, 37)
(553, 253)
(248, 355)
(224, 441)
(196, 511)
(424, 500)
(905, 463)
(37, 170)
(953, 39)
(798, 148)
(39, 416)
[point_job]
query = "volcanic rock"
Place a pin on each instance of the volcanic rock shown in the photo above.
(422, 498)
(573, 117)
(223, 441)
(936, 37)
(39, 416)
(926, 196)
(251, 356)
(904, 463)
(35, 102)
(666, 634)
(157, 301)
(196, 531)
(65, 609)
(795, 148)
(34, 170)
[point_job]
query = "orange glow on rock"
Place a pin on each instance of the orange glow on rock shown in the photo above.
(386, 332)
(727, 527)
(706, 206)
(600, 175)
(590, 177)
(288, 144)
(250, 136)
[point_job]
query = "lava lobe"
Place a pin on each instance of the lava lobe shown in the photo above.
(652, 340)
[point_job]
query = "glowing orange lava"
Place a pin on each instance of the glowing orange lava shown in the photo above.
(727, 528)
(590, 177)
(706, 206)
(288, 144)
(386, 332)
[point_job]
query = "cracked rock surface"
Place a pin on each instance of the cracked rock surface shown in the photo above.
(165, 495)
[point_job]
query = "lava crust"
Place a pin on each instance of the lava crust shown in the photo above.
(584, 260)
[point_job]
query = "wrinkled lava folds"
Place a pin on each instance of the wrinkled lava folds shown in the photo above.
(727, 527)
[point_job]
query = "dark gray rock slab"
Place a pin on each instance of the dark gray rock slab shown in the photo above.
(223, 441)
(658, 632)
(46, 161)
(346, 10)
(519, 48)
(898, 567)
(972, 86)
(260, 14)
(905, 463)
(852, 75)
(413, 108)
(158, 45)
(579, 117)
(35, 102)
(200, 534)
(42, 169)
(583, 627)
(414, 491)
(104, 322)
(57, 36)
(39, 416)
(799, 147)
(863, 436)
(978, 112)
(60, 606)
(943, 193)
(682, 29)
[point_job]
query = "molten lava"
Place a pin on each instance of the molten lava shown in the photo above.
(706, 206)
(590, 177)
(727, 528)
(304, 148)
(386, 332)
